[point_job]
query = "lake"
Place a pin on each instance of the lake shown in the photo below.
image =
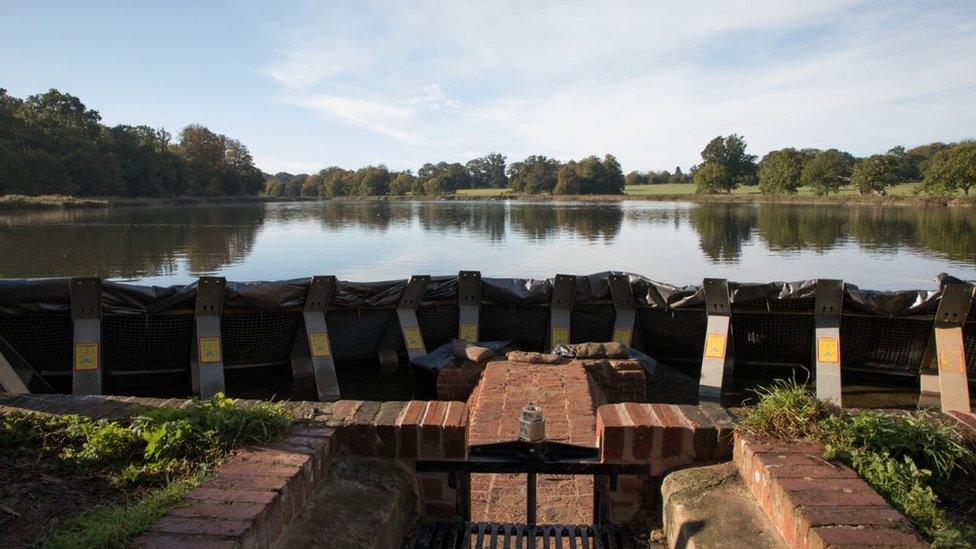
(871, 246)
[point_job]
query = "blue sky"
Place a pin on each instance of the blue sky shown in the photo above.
(306, 85)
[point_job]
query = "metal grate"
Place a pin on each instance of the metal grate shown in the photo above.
(673, 336)
(438, 323)
(592, 322)
(886, 344)
(490, 535)
(258, 338)
(765, 338)
(44, 340)
(526, 326)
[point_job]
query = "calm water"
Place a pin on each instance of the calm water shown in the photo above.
(874, 247)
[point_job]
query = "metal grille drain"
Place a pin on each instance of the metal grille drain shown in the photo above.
(492, 535)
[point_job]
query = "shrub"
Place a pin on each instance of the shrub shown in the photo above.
(908, 459)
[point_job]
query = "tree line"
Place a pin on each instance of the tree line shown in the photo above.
(534, 175)
(51, 143)
(938, 168)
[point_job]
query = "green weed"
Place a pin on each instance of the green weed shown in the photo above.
(908, 459)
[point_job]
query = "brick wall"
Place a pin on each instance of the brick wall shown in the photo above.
(664, 436)
(251, 497)
(814, 503)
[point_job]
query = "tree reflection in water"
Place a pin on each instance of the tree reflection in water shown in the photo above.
(134, 243)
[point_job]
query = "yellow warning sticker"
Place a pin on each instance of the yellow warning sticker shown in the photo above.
(622, 336)
(560, 336)
(86, 356)
(952, 361)
(209, 348)
(715, 346)
(828, 350)
(318, 344)
(413, 339)
(468, 332)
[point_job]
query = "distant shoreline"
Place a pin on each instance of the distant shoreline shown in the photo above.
(12, 203)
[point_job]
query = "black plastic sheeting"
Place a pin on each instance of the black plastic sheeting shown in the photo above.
(52, 295)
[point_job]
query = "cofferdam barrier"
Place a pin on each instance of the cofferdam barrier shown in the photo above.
(88, 336)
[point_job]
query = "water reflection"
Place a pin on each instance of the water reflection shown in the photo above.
(879, 246)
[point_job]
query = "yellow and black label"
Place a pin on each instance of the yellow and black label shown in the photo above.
(318, 345)
(413, 339)
(560, 336)
(952, 361)
(623, 335)
(209, 349)
(715, 346)
(468, 332)
(828, 350)
(86, 356)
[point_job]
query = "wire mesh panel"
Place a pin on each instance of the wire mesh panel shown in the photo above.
(673, 336)
(355, 334)
(526, 326)
(438, 324)
(141, 352)
(44, 341)
(592, 322)
(258, 338)
(890, 344)
(769, 338)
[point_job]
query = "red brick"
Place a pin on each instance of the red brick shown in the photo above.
(454, 430)
(705, 435)
(203, 509)
(833, 497)
(432, 488)
(152, 540)
(236, 529)
(312, 431)
(248, 482)
(643, 439)
(408, 425)
(671, 431)
(255, 469)
(846, 536)
(431, 429)
(386, 428)
(612, 431)
(807, 517)
(271, 456)
(223, 495)
(343, 411)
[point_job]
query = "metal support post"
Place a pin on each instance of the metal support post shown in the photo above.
(717, 362)
(943, 375)
(828, 303)
(206, 353)
(561, 310)
(409, 327)
(13, 380)
(312, 365)
(86, 321)
(625, 306)
(469, 305)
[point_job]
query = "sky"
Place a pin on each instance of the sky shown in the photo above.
(306, 85)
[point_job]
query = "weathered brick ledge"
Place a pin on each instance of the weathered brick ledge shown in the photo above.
(251, 497)
(664, 436)
(815, 503)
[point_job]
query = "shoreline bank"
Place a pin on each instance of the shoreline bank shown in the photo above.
(12, 203)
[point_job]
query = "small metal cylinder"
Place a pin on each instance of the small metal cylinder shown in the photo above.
(532, 424)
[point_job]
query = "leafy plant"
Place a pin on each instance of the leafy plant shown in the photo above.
(907, 458)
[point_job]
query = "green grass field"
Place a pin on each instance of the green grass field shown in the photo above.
(678, 189)
(903, 189)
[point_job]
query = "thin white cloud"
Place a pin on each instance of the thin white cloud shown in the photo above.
(650, 83)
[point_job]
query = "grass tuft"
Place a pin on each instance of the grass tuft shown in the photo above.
(159, 454)
(910, 459)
